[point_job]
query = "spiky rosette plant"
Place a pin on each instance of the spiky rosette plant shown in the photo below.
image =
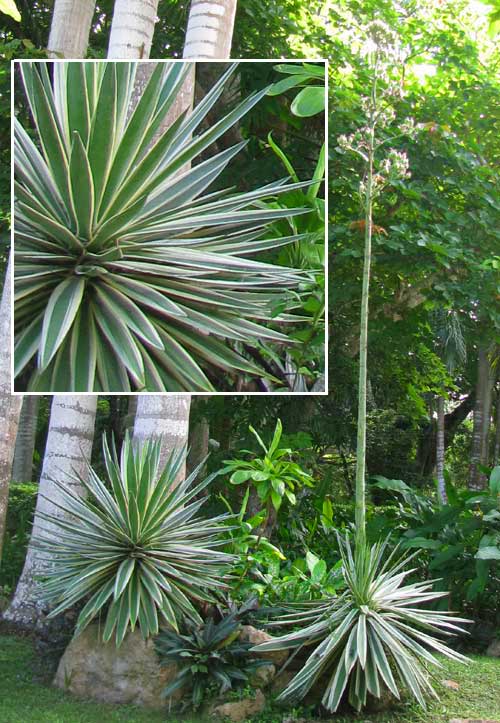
(373, 635)
(134, 549)
(374, 632)
(128, 276)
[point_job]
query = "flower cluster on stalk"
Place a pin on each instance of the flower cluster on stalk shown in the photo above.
(382, 51)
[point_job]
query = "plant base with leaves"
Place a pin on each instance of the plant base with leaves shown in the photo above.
(372, 635)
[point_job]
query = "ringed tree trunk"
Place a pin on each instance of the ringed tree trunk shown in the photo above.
(440, 451)
(132, 29)
(129, 418)
(22, 466)
(68, 450)
(481, 419)
(488, 408)
(72, 419)
(496, 450)
(210, 28)
(70, 28)
(164, 417)
(10, 406)
(199, 433)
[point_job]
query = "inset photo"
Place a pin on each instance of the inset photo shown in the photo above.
(169, 227)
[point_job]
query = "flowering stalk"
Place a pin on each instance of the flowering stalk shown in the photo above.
(381, 49)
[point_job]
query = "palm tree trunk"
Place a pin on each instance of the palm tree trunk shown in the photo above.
(166, 418)
(129, 419)
(360, 511)
(489, 384)
(199, 433)
(440, 451)
(22, 466)
(210, 27)
(496, 450)
(132, 29)
(68, 450)
(481, 420)
(10, 406)
(70, 28)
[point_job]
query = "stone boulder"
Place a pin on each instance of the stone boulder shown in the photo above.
(239, 710)
(282, 680)
(262, 676)
(252, 635)
(493, 650)
(100, 671)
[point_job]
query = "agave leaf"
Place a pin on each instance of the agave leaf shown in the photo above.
(82, 187)
(121, 340)
(103, 129)
(117, 303)
(51, 137)
(61, 310)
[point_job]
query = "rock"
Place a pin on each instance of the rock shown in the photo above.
(240, 710)
(451, 684)
(263, 675)
(493, 650)
(473, 720)
(384, 702)
(100, 671)
(252, 635)
(282, 680)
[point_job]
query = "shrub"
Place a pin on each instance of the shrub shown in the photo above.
(274, 475)
(209, 657)
(459, 542)
(20, 511)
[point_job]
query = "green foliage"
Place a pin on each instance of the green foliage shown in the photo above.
(210, 658)
(127, 276)
(20, 510)
(307, 252)
(255, 557)
(460, 543)
(369, 634)
(138, 550)
(306, 578)
(274, 477)
(310, 100)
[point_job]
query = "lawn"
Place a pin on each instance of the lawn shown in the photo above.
(27, 697)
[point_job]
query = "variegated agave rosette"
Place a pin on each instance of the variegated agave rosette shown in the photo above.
(128, 276)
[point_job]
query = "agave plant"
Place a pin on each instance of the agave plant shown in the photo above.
(135, 548)
(128, 276)
(369, 636)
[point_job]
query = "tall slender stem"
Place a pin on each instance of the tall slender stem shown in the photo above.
(360, 512)
(360, 516)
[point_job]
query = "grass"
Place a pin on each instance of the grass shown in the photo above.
(26, 696)
(478, 696)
